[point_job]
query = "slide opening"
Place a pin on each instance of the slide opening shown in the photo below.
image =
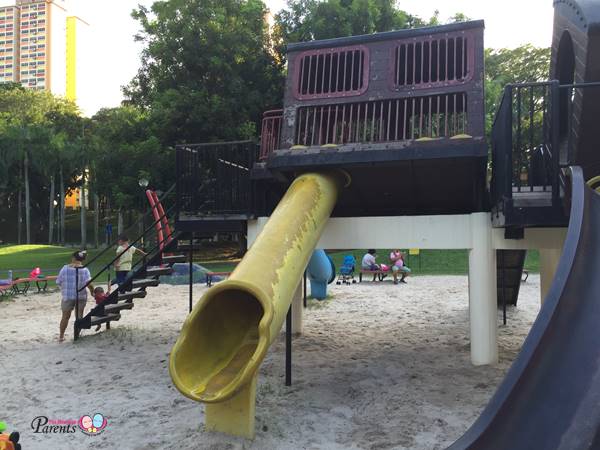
(220, 341)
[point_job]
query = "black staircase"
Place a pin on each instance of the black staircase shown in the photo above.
(509, 264)
(534, 138)
(145, 273)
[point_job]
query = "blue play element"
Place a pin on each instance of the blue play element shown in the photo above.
(321, 272)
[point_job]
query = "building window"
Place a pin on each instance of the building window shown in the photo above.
(335, 72)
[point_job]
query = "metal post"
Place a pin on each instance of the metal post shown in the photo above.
(191, 266)
(288, 347)
(304, 290)
(75, 331)
(555, 136)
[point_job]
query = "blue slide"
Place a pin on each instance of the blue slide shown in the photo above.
(321, 272)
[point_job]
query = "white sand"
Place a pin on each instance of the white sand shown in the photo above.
(379, 366)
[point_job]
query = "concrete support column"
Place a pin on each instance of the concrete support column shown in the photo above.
(549, 258)
(483, 309)
(297, 310)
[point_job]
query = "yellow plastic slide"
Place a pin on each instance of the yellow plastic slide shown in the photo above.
(225, 338)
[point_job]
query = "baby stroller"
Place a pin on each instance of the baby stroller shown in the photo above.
(346, 272)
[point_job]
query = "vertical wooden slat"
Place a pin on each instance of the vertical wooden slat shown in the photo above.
(328, 125)
(381, 120)
(422, 61)
(446, 64)
(438, 60)
(335, 122)
(308, 91)
(412, 120)
(437, 117)
(429, 118)
(397, 71)
(323, 73)
(337, 72)
(317, 74)
(465, 59)
(366, 120)
(373, 122)
(454, 118)
(430, 60)
(345, 69)
(404, 119)
(414, 78)
(344, 123)
(312, 131)
(301, 81)
(446, 97)
(352, 74)
(465, 128)
(397, 119)
(406, 46)
(421, 117)
(330, 71)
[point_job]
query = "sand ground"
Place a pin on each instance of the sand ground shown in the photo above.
(378, 367)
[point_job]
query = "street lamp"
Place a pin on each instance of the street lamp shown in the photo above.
(143, 183)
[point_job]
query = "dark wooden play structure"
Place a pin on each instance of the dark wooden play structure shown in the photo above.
(403, 113)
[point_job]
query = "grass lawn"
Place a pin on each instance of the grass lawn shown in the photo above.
(21, 259)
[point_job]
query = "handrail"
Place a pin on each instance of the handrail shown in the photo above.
(128, 247)
(136, 223)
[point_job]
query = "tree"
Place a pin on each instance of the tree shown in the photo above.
(208, 71)
(306, 20)
(26, 148)
(504, 66)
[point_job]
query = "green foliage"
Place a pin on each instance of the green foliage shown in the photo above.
(125, 151)
(207, 69)
(306, 20)
(504, 66)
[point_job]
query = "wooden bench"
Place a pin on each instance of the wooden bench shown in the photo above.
(210, 275)
(378, 275)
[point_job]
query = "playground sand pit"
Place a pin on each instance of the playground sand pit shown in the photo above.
(379, 366)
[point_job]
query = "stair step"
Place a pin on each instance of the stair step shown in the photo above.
(97, 320)
(115, 307)
(145, 282)
(156, 271)
(132, 295)
(174, 259)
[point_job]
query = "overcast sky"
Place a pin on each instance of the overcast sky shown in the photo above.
(509, 23)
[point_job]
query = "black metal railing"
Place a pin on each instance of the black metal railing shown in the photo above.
(214, 179)
(533, 137)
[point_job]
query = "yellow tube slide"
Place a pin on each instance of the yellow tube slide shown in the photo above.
(225, 338)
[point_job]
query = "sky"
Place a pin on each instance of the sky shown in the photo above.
(116, 56)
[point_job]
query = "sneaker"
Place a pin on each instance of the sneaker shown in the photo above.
(395, 281)
(403, 281)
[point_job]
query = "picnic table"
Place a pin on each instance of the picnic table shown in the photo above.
(22, 285)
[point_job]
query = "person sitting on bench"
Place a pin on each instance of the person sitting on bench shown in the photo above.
(397, 259)
(369, 261)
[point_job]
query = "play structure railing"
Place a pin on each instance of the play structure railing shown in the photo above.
(133, 227)
(214, 179)
(533, 138)
(270, 135)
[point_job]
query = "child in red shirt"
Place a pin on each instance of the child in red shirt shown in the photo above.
(100, 296)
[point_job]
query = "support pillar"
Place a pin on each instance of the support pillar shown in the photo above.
(549, 258)
(297, 310)
(483, 308)
(236, 415)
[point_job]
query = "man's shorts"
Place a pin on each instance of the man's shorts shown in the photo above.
(69, 305)
(402, 269)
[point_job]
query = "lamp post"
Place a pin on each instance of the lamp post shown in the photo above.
(143, 183)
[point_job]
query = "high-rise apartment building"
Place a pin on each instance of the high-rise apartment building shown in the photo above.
(9, 43)
(35, 36)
